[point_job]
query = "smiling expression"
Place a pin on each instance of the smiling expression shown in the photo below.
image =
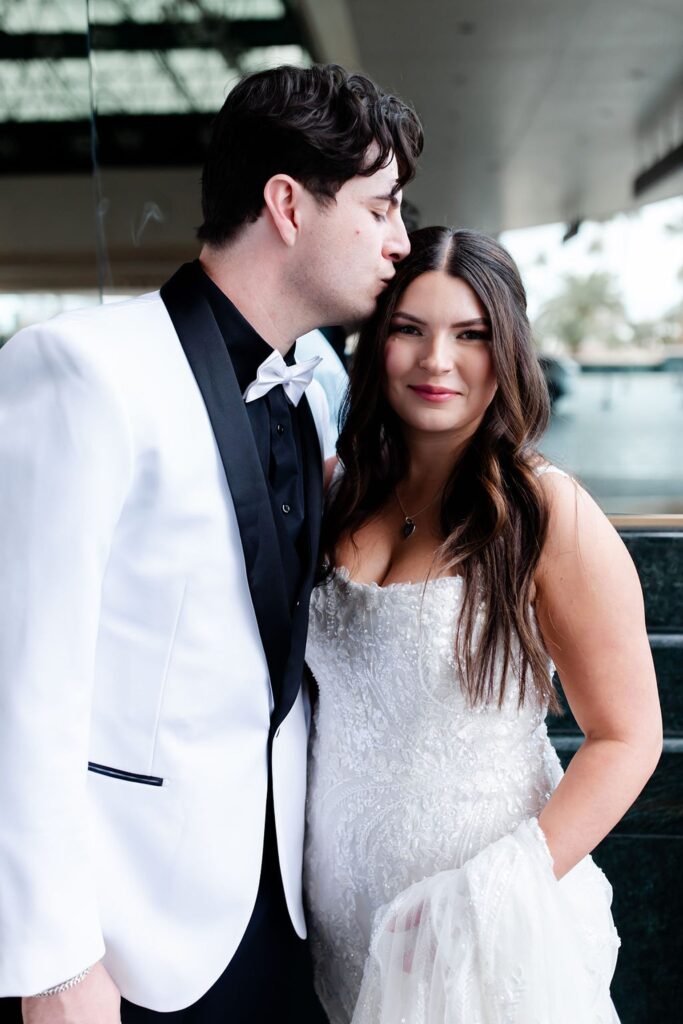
(439, 374)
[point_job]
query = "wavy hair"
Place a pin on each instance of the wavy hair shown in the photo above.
(321, 125)
(494, 517)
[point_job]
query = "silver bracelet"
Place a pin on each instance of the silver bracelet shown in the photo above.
(57, 990)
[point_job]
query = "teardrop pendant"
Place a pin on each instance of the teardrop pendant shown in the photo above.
(408, 528)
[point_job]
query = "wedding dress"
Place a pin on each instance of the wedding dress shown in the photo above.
(430, 889)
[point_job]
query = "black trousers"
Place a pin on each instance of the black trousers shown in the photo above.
(269, 979)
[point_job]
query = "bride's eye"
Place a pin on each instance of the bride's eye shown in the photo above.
(408, 329)
(475, 336)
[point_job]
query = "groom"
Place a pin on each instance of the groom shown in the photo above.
(160, 495)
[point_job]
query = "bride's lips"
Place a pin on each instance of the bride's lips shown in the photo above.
(433, 394)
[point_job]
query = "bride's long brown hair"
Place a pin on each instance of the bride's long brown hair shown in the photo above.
(493, 513)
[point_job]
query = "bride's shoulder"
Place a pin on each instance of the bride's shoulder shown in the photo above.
(577, 526)
(559, 488)
(541, 467)
(333, 471)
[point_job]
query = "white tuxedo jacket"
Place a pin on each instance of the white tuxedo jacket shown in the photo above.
(129, 643)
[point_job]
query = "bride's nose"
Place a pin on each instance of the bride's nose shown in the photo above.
(438, 358)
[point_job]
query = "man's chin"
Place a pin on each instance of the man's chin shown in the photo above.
(358, 317)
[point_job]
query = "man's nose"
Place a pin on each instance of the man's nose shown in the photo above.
(398, 246)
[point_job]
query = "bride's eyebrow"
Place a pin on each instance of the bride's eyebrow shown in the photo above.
(409, 316)
(483, 320)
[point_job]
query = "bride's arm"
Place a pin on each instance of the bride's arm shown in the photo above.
(589, 607)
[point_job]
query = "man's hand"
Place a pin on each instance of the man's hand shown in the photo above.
(95, 1000)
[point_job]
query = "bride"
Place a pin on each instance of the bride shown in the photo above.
(447, 860)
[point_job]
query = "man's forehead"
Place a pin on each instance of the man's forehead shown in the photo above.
(388, 172)
(385, 180)
(382, 183)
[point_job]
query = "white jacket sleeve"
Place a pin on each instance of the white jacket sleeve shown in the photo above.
(65, 468)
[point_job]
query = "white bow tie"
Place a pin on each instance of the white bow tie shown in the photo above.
(274, 370)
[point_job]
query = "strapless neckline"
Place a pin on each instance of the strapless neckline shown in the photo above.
(342, 575)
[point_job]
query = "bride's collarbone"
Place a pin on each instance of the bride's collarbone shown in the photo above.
(382, 554)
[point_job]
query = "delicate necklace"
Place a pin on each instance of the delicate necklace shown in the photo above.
(409, 524)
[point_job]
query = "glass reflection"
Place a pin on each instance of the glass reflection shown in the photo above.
(160, 72)
(48, 259)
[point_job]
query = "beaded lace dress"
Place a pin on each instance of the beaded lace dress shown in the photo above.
(419, 802)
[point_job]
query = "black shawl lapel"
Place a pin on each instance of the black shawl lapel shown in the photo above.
(210, 363)
(313, 490)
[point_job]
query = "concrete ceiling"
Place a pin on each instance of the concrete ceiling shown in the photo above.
(535, 111)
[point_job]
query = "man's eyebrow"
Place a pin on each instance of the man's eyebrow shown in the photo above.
(390, 197)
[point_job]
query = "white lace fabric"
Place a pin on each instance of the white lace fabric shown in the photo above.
(408, 785)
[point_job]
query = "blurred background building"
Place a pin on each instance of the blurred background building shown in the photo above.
(556, 125)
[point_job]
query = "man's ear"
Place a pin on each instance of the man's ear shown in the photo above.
(282, 196)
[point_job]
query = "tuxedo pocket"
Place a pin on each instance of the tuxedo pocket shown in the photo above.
(135, 833)
(124, 776)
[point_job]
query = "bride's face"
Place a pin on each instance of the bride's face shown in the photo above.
(438, 364)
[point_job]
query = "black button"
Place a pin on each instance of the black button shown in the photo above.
(280, 429)
(286, 509)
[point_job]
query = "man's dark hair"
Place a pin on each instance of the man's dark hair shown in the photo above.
(316, 124)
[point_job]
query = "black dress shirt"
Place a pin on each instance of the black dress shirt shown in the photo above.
(275, 424)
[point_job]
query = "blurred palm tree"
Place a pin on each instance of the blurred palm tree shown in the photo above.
(587, 309)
